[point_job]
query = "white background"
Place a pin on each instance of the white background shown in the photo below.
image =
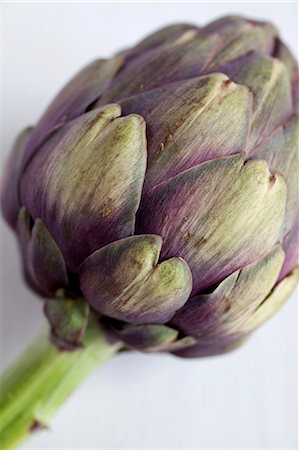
(247, 399)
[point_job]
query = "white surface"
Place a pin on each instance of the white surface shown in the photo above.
(247, 399)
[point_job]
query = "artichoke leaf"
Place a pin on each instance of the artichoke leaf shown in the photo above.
(89, 183)
(124, 280)
(219, 216)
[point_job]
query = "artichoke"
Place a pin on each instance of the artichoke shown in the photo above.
(159, 190)
(158, 193)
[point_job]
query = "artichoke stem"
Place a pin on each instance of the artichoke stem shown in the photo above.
(41, 380)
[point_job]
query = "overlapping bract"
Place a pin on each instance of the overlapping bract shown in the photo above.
(162, 186)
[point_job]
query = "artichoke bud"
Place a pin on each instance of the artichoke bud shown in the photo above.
(160, 190)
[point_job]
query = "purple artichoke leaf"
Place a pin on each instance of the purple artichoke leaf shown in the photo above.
(10, 202)
(149, 337)
(211, 347)
(43, 265)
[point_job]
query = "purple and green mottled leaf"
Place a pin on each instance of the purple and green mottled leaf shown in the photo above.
(242, 39)
(273, 302)
(87, 187)
(283, 54)
(281, 151)
(235, 26)
(268, 80)
(231, 304)
(191, 121)
(45, 261)
(23, 229)
(43, 265)
(124, 280)
(211, 347)
(10, 202)
(219, 216)
(182, 58)
(291, 249)
(162, 36)
(73, 100)
(152, 337)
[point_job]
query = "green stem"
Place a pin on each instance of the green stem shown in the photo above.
(40, 381)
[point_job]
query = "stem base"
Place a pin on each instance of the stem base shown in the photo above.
(40, 381)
